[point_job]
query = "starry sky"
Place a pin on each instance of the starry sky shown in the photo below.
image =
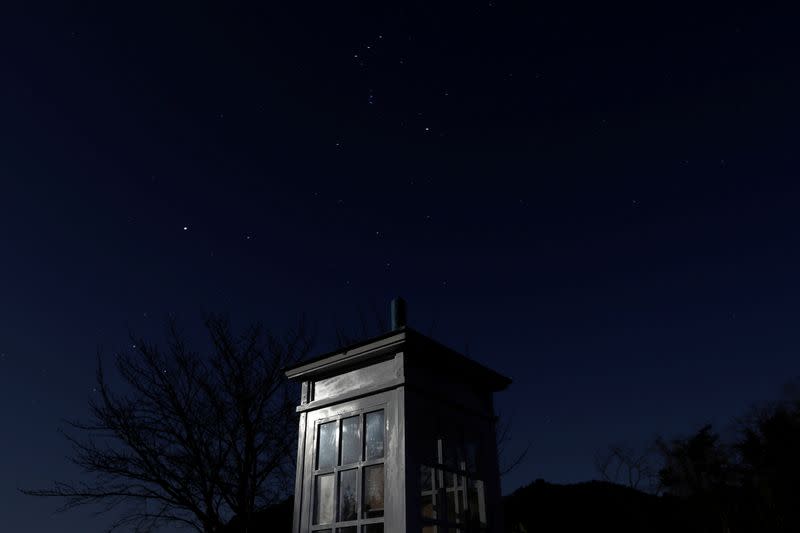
(599, 203)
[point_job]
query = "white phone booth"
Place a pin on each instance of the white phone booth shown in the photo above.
(397, 434)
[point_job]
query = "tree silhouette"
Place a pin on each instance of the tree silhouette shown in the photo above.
(699, 469)
(627, 465)
(195, 440)
(769, 452)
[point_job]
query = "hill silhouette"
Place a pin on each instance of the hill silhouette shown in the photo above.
(589, 506)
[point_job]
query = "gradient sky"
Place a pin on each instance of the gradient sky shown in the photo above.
(601, 204)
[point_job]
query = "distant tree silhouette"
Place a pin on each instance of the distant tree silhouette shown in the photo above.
(748, 485)
(699, 469)
(197, 441)
(769, 455)
(695, 465)
(629, 466)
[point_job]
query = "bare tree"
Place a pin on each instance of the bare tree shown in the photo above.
(626, 465)
(196, 440)
(503, 431)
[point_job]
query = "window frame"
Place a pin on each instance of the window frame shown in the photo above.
(359, 465)
(464, 474)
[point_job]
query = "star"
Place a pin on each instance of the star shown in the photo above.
(186, 228)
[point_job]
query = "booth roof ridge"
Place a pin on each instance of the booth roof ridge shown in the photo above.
(406, 334)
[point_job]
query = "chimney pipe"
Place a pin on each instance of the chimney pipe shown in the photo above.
(398, 313)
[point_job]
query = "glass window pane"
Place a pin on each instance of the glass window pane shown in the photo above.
(351, 440)
(428, 496)
(323, 499)
(425, 478)
(372, 528)
(455, 497)
(326, 445)
(348, 529)
(428, 509)
(477, 502)
(375, 431)
(428, 529)
(347, 495)
(373, 491)
(452, 513)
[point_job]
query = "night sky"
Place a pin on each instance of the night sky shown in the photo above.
(601, 204)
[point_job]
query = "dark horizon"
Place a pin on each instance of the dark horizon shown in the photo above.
(600, 204)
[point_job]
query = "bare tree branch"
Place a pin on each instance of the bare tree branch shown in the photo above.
(626, 465)
(503, 435)
(197, 440)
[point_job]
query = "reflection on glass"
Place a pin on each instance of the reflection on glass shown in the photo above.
(351, 440)
(372, 528)
(373, 491)
(347, 495)
(375, 430)
(323, 499)
(428, 496)
(455, 497)
(326, 447)
(452, 514)
(428, 529)
(477, 502)
(428, 510)
(461, 513)
(425, 478)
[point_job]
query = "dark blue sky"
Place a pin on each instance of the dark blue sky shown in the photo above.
(600, 204)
